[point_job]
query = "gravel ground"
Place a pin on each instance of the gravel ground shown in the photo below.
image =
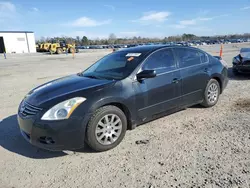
(195, 147)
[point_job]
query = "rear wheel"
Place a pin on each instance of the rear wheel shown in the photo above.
(106, 128)
(211, 94)
(59, 51)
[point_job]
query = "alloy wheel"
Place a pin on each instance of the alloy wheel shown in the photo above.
(213, 93)
(108, 129)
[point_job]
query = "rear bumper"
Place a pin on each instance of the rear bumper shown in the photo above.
(53, 135)
(225, 83)
(224, 79)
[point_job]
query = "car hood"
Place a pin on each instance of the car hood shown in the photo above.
(65, 86)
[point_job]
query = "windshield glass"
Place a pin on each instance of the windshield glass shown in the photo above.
(245, 52)
(115, 66)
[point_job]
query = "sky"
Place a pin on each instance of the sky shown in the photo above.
(125, 18)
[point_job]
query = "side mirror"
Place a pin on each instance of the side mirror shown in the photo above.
(146, 74)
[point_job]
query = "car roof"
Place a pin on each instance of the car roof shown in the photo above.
(143, 49)
(149, 48)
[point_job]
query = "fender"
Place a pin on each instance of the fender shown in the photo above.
(129, 108)
(110, 100)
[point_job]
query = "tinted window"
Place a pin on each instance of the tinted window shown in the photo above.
(204, 57)
(161, 59)
(188, 57)
(117, 65)
(245, 50)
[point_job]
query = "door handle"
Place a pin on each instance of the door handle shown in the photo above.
(175, 80)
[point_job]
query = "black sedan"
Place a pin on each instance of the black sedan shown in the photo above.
(120, 91)
(241, 63)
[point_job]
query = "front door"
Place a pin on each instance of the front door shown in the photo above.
(161, 93)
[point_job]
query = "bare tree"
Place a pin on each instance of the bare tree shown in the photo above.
(78, 41)
(112, 38)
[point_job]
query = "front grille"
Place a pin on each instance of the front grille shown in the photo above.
(27, 109)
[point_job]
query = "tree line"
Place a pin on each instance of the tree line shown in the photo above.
(112, 39)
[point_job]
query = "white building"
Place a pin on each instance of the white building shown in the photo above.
(17, 42)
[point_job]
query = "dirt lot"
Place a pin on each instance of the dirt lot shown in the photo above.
(196, 147)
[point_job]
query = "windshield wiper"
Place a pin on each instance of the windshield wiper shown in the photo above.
(91, 76)
(79, 74)
(88, 76)
(96, 77)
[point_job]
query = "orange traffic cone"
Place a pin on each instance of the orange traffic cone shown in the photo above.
(221, 50)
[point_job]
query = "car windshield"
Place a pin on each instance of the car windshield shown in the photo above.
(245, 52)
(115, 66)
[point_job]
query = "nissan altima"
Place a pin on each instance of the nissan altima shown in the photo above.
(119, 92)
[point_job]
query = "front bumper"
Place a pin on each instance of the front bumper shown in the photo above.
(54, 135)
(242, 67)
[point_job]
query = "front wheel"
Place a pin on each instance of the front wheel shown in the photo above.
(211, 94)
(71, 50)
(106, 128)
(59, 51)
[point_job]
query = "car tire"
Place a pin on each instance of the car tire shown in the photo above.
(211, 94)
(103, 133)
(71, 50)
(59, 50)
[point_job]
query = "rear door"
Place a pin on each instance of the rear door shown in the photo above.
(194, 72)
(161, 93)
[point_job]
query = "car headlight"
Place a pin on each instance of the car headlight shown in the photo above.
(236, 59)
(63, 110)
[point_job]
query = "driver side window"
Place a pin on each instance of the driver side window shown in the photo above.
(162, 60)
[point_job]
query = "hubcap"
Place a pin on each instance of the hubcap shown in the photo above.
(213, 92)
(108, 129)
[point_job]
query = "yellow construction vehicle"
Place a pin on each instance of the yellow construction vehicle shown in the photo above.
(46, 47)
(39, 47)
(72, 48)
(62, 47)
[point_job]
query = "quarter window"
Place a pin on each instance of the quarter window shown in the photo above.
(204, 57)
(162, 59)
